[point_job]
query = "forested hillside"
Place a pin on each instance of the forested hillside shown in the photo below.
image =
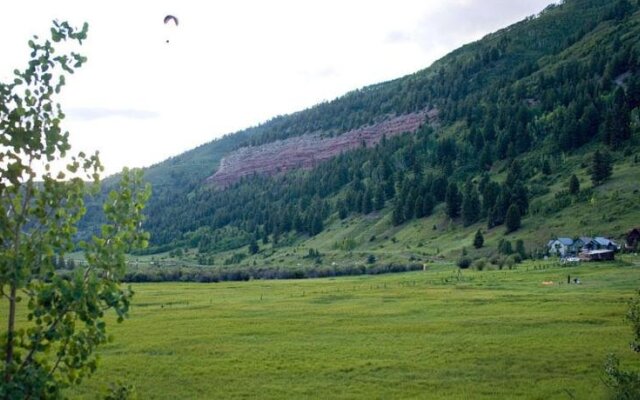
(520, 114)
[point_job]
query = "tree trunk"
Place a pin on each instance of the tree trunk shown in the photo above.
(10, 332)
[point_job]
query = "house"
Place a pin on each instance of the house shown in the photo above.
(605, 244)
(588, 243)
(597, 255)
(564, 246)
(632, 240)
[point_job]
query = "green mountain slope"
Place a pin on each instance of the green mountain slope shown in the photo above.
(519, 113)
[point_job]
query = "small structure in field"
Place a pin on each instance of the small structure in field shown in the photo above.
(597, 255)
(632, 240)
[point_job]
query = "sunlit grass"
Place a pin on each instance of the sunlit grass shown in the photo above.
(433, 334)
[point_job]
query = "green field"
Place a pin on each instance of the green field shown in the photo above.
(431, 334)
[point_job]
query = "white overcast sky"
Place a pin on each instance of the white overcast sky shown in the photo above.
(230, 65)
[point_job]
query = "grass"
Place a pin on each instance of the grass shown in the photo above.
(432, 334)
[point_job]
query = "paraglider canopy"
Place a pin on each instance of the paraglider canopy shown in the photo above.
(170, 18)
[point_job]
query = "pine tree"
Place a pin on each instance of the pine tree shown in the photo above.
(419, 207)
(367, 202)
(343, 212)
(379, 198)
(520, 249)
(546, 167)
(397, 216)
(504, 247)
(439, 188)
(601, 167)
(470, 205)
(478, 240)
(519, 197)
(512, 220)
(253, 247)
(453, 200)
(316, 224)
(574, 185)
(428, 204)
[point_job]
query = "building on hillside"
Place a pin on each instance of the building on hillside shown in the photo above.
(588, 243)
(606, 244)
(564, 247)
(632, 239)
(597, 255)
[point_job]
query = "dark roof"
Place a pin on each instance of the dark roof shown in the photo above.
(565, 241)
(604, 241)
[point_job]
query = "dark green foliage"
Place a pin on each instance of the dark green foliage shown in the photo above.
(504, 247)
(478, 240)
(397, 215)
(617, 128)
(453, 200)
(512, 220)
(470, 204)
(464, 262)
(601, 167)
(520, 250)
(428, 204)
(546, 167)
(253, 247)
(574, 185)
(231, 272)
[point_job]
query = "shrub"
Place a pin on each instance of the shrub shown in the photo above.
(479, 264)
(464, 262)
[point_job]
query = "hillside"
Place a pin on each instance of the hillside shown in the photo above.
(309, 150)
(518, 113)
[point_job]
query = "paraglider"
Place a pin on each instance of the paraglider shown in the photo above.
(170, 19)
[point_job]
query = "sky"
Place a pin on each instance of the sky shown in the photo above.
(151, 90)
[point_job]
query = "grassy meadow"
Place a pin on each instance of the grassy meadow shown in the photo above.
(430, 334)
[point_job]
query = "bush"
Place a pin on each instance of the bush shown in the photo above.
(464, 262)
(479, 264)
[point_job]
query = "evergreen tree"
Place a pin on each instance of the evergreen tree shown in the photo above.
(428, 204)
(439, 188)
(486, 157)
(490, 193)
(419, 207)
(601, 167)
(504, 247)
(478, 240)
(512, 220)
(519, 197)
(617, 126)
(367, 202)
(574, 185)
(253, 247)
(343, 212)
(546, 167)
(453, 200)
(514, 174)
(520, 249)
(470, 205)
(316, 224)
(409, 205)
(397, 215)
(379, 199)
